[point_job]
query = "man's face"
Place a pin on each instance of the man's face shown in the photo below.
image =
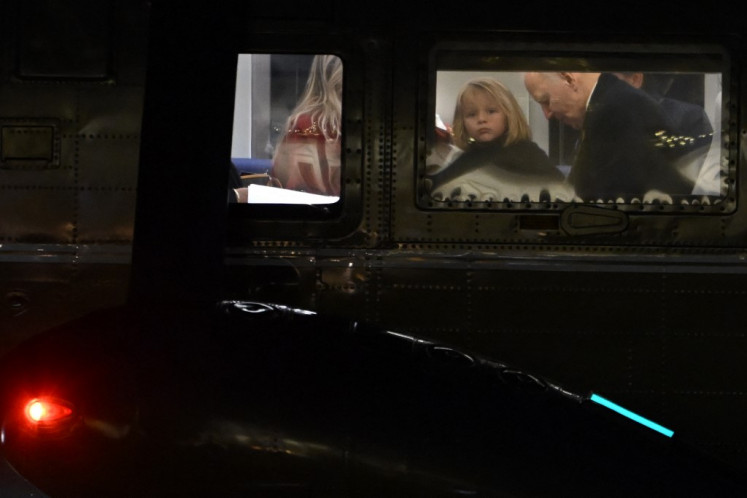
(558, 97)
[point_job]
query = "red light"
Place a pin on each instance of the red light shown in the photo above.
(46, 411)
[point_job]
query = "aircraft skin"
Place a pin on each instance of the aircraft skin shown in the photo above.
(649, 314)
(74, 73)
(251, 399)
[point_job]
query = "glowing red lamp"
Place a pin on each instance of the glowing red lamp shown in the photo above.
(47, 411)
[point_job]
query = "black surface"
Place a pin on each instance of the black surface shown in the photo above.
(13, 485)
(249, 399)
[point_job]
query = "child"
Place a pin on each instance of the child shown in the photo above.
(500, 161)
(308, 155)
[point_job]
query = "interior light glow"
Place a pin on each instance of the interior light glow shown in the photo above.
(47, 411)
(633, 416)
(36, 411)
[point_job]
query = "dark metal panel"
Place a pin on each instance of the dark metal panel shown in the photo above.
(77, 69)
(35, 296)
(111, 111)
(107, 162)
(37, 214)
(106, 216)
(434, 304)
(64, 40)
(36, 100)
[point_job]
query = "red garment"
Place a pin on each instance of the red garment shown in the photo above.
(307, 161)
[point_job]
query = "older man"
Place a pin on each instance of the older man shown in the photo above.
(618, 156)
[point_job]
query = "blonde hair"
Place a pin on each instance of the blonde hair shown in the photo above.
(516, 123)
(322, 98)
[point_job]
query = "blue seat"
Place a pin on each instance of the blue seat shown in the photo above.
(249, 165)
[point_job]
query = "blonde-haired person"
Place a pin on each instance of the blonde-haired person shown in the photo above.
(307, 157)
(500, 161)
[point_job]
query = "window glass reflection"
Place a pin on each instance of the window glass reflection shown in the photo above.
(608, 137)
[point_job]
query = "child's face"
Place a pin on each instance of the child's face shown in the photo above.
(483, 119)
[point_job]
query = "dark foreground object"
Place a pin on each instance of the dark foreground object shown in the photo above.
(251, 399)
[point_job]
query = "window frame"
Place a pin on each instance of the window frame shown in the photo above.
(541, 52)
(249, 222)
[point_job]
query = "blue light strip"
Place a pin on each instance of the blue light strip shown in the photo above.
(622, 411)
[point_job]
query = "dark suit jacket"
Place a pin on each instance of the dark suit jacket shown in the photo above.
(618, 155)
(523, 158)
(687, 119)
